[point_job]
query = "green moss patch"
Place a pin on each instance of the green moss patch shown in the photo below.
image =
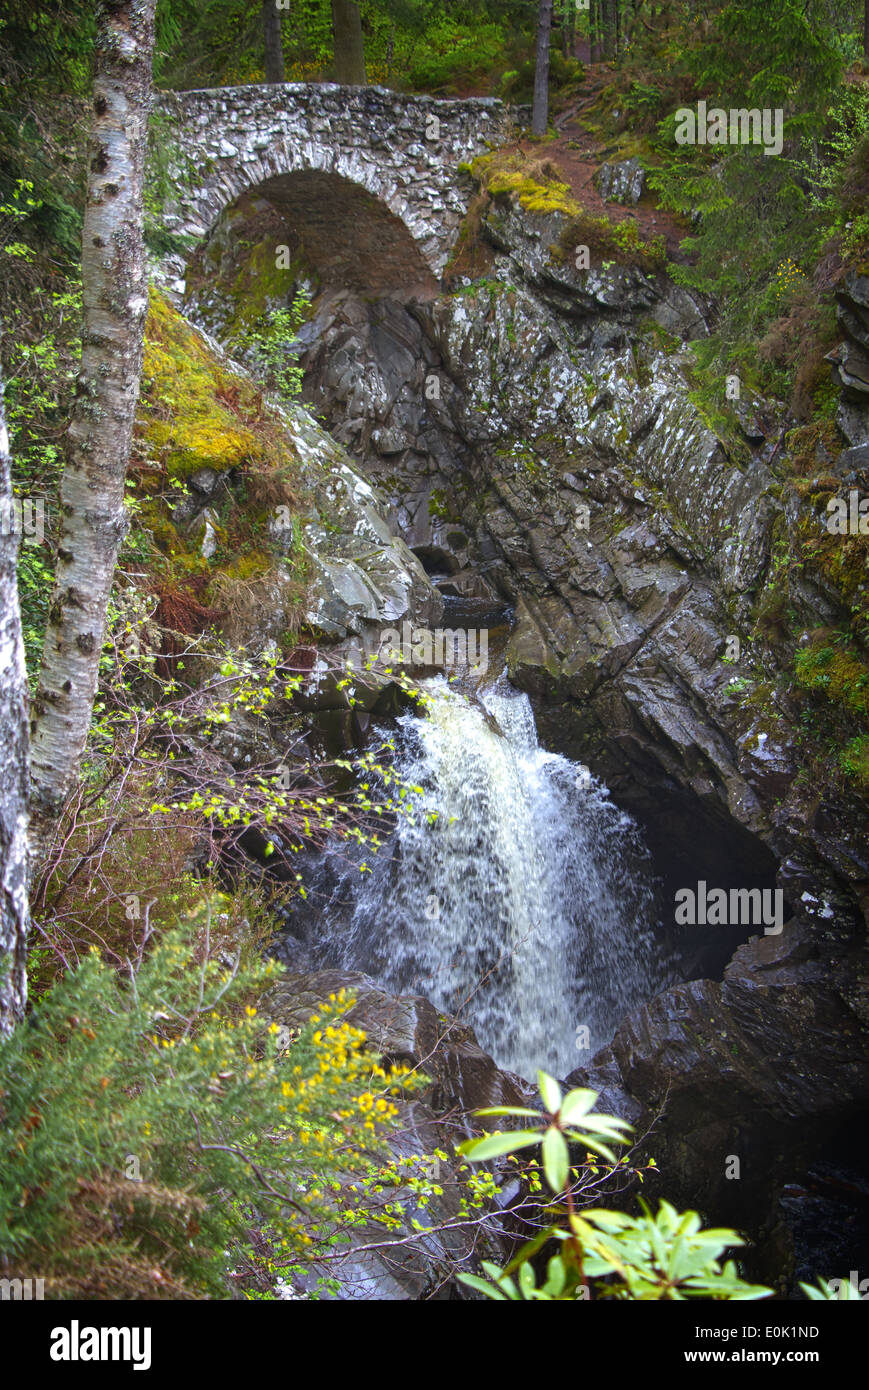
(832, 665)
(854, 761)
(194, 412)
(841, 561)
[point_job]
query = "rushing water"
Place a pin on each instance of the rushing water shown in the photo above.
(516, 894)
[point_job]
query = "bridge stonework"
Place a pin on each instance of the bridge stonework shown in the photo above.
(402, 150)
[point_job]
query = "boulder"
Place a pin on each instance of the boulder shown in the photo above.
(622, 182)
(408, 1028)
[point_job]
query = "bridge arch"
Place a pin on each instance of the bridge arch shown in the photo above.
(313, 147)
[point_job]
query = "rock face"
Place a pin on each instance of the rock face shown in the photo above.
(567, 465)
(317, 546)
(364, 577)
(462, 1078)
(744, 1081)
(850, 360)
(541, 441)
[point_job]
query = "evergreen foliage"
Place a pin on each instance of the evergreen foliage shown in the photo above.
(154, 1120)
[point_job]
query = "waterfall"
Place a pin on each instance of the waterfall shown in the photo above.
(516, 894)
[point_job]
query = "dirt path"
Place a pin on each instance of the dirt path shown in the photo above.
(579, 155)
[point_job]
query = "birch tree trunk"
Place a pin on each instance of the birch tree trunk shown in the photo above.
(93, 519)
(540, 109)
(274, 47)
(349, 46)
(14, 764)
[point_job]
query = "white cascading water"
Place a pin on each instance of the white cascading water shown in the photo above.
(515, 896)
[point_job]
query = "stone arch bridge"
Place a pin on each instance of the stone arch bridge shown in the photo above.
(371, 171)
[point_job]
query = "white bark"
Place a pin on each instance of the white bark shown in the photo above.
(14, 764)
(93, 519)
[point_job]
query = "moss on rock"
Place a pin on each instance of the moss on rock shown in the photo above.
(199, 418)
(194, 412)
(831, 664)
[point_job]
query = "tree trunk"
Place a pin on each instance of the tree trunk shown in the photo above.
(14, 766)
(540, 110)
(273, 42)
(115, 299)
(608, 26)
(347, 36)
(594, 32)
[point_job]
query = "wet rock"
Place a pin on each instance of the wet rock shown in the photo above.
(622, 182)
(682, 312)
(204, 480)
(408, 1028)
(333, 685)
(850, 359)
(765, 1067)
(204, 527)
(363, 577)
(852, 466)
(851, 370)
(852, 309)
(823, 1226)
(614, 294)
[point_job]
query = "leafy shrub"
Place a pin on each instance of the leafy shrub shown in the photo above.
(42, 351)
(668, 1256)
(644, 103)
(154, 1123)
(854, 760)
(35, 583)
(269, 345)
(619, 242)
(751, 214)
(451, 51)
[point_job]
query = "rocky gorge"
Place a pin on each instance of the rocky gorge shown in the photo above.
(528, 450)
